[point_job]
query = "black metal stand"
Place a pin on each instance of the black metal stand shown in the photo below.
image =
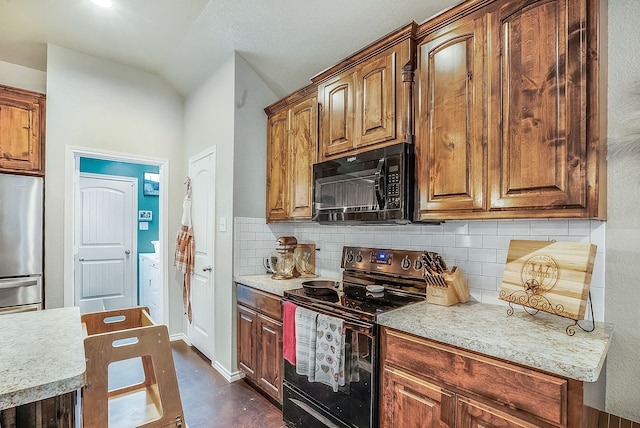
(533, 303)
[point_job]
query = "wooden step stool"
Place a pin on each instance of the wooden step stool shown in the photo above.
(122, 335)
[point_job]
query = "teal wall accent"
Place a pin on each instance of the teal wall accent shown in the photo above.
(149, 203)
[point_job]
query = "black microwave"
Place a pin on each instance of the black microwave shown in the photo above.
(375, 186)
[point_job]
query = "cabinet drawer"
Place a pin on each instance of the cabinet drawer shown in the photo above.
(538, 394)
(266, 303)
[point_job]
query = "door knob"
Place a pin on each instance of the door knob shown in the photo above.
(127, 252)
(207, 269)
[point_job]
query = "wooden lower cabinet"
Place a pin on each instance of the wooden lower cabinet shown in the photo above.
(260, 340)
(54, 412)
(430, 384)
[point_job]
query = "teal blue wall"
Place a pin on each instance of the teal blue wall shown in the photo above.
(149, 203)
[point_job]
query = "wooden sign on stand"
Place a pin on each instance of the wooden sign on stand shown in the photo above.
(549, 276)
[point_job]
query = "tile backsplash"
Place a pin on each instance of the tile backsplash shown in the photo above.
(479, 248)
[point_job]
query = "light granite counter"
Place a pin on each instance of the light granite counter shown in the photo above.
(275, 286)
(539, 341)
(41, 355)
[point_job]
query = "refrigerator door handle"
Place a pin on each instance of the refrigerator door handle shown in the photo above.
(16, 283)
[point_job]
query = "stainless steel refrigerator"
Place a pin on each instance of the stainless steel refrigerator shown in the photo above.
(21, 216)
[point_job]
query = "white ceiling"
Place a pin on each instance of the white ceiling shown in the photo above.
(285, 41)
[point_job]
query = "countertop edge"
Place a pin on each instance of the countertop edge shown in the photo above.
(42, 392)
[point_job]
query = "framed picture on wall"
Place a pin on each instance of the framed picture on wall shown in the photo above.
(151, 184)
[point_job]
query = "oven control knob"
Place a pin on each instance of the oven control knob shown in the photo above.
(405, 263)
(417, 264)
(350, 258)
(359, 258)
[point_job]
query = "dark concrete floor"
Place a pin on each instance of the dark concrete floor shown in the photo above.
(209, 401)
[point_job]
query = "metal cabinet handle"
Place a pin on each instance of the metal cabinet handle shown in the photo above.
(207, 269)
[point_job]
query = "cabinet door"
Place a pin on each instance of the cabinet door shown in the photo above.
(270, 373)
(277, 157)
(472, 414)
(449, 122)
(337, 117)
(537, 117)
(247, 341)
(21, 131)
(303, 122)
(411, 402)
(376, 100)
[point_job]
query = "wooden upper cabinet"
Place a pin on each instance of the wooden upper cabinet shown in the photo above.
(277, 158)
(537, 119)
(509, 111)
(337, 117)
(376, 101)
(303, 119)
(22, 119)
(292, 137)
(364, 100)
(449, 120)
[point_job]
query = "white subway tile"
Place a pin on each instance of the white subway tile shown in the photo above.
(597, 300)
(579, 227)
(444, 240)
(467, 267)
(496, 242)
(456, 228)
(598, 275)
(520, 227)
(455, 253)
(483, 227)
(482, 282)
(599, 234)
(549, 227)
(483, 254)
(421, 240)
(493, 269)
(469, 241)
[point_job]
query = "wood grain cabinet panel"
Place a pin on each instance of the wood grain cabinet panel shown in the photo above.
(337, 117)
(22, 119)
(291, 152)
(440, 382)
(376, 118)
(538, 156)
(509, 113)
(449, 121)
(260, 340)
(410, 402)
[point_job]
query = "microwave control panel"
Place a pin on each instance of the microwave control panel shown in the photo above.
(394, 182)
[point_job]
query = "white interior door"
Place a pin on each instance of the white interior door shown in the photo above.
(105, 268)
(202, 174)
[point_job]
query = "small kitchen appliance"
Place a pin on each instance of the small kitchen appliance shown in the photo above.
(376, 186)
(285, 247)
(21, 201)
(373, 281)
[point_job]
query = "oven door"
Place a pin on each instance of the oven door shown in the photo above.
(313, 404)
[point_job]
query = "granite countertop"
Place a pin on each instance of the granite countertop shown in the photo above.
(539, 341)
(274, 286)
(41, 356)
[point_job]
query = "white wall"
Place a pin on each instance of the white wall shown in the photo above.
(623, 225)
(252, 96)
(23, 77)
(98, 104)
(209, 121)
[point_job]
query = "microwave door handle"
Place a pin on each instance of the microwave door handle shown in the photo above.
(380, 184)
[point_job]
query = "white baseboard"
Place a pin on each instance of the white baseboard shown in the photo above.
(180, 336)
(229, 376)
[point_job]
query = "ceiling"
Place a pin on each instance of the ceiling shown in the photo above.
(285, 41)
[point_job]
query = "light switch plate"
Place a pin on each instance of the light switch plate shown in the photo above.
(222, 227)
(143, 225)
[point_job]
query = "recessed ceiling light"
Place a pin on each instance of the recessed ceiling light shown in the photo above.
(103, 3)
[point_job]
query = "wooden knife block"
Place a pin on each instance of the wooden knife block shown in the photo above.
(447, 288)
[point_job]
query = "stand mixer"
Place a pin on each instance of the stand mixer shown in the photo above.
(285, 246)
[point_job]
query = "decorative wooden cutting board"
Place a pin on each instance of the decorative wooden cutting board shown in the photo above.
(549, 276)
(305, 258)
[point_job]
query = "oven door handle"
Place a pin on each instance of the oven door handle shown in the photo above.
(345, 316)
(380, 184)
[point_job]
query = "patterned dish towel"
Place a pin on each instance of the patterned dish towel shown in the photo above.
(330, 364)
(306, 342)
